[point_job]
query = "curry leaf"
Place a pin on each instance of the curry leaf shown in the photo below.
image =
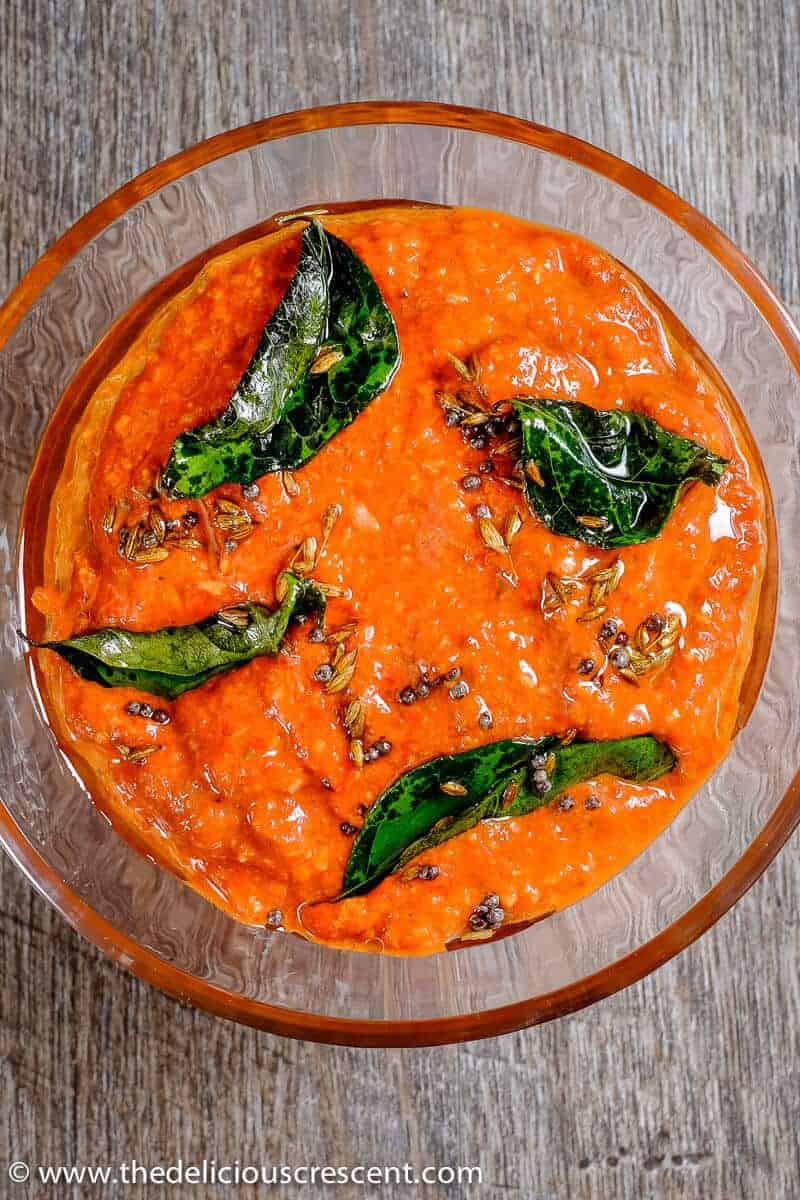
(420, 810)
(606, 478)
(171, 661)
(285, 408)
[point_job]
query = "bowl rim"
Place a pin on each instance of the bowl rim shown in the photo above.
(651, 954)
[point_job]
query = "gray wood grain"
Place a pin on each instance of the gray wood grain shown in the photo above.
(685, 1085)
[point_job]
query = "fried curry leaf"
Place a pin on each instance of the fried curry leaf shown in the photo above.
(328, 350)
(606, 478)
(415, 814)
(174, 660)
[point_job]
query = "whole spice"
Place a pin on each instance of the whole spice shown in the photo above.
(451, 788)
(329, 519)
(327, 357)
(556, 592)
(109, 519)
(289, 484)
(491, 536)
(354, 718)
(357, 752)
(513, 526)
(489, 914)
(236, 617)
(342, 673)
(137, 757)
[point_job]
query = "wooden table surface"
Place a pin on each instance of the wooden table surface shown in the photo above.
(687, 1084)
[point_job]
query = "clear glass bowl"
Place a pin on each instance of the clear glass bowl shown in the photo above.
(119, 257)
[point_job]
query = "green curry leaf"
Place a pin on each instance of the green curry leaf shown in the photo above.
(283, 411)
(414, 814)
(174, 660)
(606, 478)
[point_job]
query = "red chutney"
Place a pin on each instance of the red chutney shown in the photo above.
(250, 787)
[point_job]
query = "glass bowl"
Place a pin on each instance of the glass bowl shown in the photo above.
(141, 243)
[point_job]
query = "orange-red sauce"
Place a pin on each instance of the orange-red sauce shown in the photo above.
(251, 783)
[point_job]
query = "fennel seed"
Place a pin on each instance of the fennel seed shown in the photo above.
(327, 357)
(451, 788)
(533, 472)
(109, 518)
(343, 673)
(357, 752)
(149, 555)
(593, 522)
(354, 718)
(513, 526)
(289, 484)
(593, 614)
(491, 536)
(329, 519)
(461, 368)
(237, 617)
